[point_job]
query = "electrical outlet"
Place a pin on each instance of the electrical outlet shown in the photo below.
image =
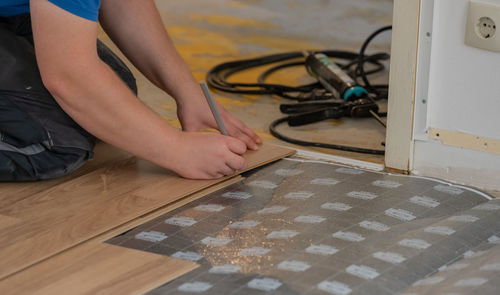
(482, 21)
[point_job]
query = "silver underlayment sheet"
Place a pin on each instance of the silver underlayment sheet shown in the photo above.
(302, 227)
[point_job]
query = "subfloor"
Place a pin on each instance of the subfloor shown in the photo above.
(306, 227)
(211, 32)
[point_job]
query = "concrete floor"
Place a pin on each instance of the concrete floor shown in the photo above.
(210, 32)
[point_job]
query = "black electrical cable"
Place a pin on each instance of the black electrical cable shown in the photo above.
(218, 76)
(354, 64)
(274, 125)
(360, 68)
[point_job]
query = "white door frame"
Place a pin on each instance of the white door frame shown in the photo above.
(402, 81)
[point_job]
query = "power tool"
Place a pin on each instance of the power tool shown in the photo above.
(332, 77)
(357, 104)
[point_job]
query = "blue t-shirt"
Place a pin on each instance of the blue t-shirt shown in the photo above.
(88, 9)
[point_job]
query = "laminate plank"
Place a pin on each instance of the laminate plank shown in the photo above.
(13, 192)
(267, 154)
(6, 221)
(96, 268)
(165, 209)
(82, 208)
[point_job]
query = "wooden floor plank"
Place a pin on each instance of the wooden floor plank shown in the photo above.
(267, 153)
(165, 209)
(82, 208)
(13, 192)
(96, 268)
(7, 221)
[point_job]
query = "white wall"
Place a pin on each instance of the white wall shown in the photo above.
(464, 84)
(457, 90)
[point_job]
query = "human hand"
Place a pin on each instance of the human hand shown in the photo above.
(203, 155)
(196, 116)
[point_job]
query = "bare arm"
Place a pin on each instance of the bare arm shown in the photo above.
(93, 95)
(135, 26)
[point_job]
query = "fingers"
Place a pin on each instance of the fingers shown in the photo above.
(235, 162)
(216, 175)
(255, 138)
(246, 139)
(245, 134)
(226, 170)
(236, 146)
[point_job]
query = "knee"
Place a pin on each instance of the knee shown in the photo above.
(44, 165)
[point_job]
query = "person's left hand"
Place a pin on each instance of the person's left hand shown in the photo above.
(196, 116)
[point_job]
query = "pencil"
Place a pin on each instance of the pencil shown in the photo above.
(213, 108)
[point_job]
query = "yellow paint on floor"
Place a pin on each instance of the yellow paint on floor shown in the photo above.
(226, 20)
(169, 107)
(264, 135)
(202, 49)
(243, 4)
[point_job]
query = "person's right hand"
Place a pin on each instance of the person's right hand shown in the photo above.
(203, 155)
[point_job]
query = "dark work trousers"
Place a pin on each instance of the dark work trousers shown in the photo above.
(38, 140)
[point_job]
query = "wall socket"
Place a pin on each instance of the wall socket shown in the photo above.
(482, 21)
